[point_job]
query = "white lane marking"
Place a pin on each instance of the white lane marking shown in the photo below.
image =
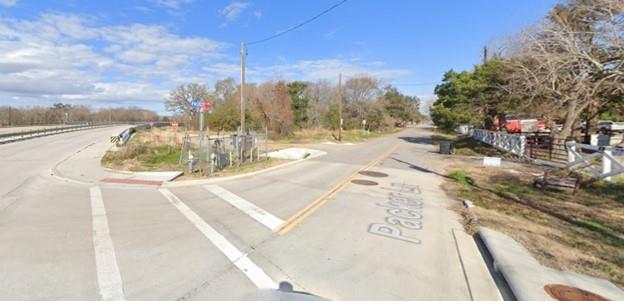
(255, 212)
(109, 278)
(240, 260)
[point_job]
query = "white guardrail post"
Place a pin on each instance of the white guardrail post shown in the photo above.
(606, 163)
(586, 160)
(571, 149)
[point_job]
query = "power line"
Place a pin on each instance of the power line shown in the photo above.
(298, 25)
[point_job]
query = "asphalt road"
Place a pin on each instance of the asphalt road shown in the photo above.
(306, 224)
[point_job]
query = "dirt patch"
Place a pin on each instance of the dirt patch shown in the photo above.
(582, 233)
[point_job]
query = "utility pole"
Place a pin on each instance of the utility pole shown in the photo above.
(110, 115)
(485, 54)
(340, 107)
(242, 95)
(10, 115)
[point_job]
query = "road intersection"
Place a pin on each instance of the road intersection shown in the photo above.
(68, 236)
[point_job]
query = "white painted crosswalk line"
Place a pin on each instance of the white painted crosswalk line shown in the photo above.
(109, 278)
(240, 260)
(255, 212)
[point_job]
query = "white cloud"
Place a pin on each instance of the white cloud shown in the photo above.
(8, 3)
(173, 4)
(313, 70)
(330, 34)
(62, 57)
(258, 14)
(233, 11)
(55, 57)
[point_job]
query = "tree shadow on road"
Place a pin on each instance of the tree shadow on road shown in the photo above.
(417, 140)
(421, 169)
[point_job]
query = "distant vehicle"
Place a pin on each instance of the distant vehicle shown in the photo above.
(608, 126)
(517, 124)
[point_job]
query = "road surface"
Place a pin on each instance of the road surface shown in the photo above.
(65, 235)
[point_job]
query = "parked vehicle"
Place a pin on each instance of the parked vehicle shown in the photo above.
(516, 124)
(608, 126)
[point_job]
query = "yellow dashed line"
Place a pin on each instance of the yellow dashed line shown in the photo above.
(298, 217)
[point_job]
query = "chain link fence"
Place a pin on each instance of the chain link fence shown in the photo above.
(207, 154)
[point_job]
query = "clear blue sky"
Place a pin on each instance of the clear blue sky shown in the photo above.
(132, 52)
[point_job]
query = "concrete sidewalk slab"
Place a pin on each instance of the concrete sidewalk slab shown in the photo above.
(526, 277)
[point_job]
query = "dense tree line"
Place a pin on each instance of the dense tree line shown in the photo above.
(60, 113)
(568, 68)
(283, 106)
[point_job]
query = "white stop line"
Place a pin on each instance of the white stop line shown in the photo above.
(240, 260)
(255, 212)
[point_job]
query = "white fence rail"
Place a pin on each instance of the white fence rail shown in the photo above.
(514, 144)
(611, 166)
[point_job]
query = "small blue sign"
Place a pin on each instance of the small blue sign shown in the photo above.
(195, 103)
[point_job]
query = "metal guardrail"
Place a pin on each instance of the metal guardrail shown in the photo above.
(23, 135)
(514, 144)
(126, 134)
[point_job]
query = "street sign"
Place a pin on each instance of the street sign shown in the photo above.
(206, 106)
(195, 103)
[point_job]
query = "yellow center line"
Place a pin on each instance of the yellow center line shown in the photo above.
(298, 217)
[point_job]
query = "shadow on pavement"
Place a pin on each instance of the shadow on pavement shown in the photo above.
(417, 140)
(416, 167)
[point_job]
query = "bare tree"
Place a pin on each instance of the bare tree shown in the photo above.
(363, 88)
(361, 94)
(179, 100)
(321, 94)
(572, 59)
(225, 89)
(272, 103)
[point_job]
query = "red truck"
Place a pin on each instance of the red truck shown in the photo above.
(521, 124)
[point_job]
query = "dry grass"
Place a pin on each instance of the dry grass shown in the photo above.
(158, 149)
(319, 135)
(583, 233)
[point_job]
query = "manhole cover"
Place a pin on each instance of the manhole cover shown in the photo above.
(567, 293)
(364, 182)
(374, 174)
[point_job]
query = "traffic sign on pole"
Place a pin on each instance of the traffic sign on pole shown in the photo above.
(195, 103)
(206, 106)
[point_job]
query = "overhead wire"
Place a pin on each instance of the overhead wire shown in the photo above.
(281, 33)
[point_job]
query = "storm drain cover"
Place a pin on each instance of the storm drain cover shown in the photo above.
(567, 293)
(374, 174)
(364, 182)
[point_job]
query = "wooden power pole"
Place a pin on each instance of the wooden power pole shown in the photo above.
(242, 95)
(340, 107)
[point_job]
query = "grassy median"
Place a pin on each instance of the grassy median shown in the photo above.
(158, 150)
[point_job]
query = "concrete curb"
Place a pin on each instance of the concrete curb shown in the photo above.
(480, 283)
(526, 277)
(223, 179)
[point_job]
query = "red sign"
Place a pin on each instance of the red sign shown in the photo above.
(206, 106)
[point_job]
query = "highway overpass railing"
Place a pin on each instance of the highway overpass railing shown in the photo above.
(125, 135)
(23, 135)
